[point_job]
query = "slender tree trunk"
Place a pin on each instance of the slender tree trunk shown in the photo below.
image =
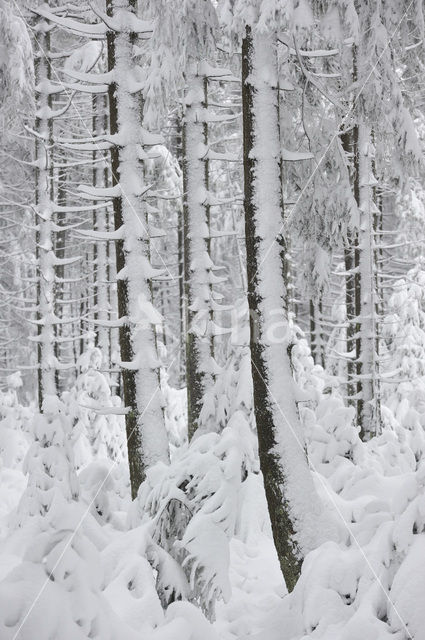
(95, 178)
(197, 271)
(292, 502)
(208, 221)
(316, 335)
(349, 144)
(110, 251)
(321, 343)
(368, 387)
(146, 436)
(182, 309)
(180, 258)
(101, 281)
(45, 211)
(313, 341)
(83, 309)
(60, 244)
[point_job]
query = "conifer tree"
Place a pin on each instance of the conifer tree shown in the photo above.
(146, 436)
(292, 501)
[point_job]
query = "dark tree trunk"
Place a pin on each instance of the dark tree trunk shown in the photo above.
(146, 436)
(193, 375)
(281, 450)
(128, 377)
(197, 273)
(44, 235)
(349, 144)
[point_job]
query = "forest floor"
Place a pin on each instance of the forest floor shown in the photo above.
(367, 584)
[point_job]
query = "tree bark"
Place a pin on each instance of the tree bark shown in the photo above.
(146, 436)
(368, 379)
(101, 257)
(292, 502)
(349, 144)
(197, 267)
(45, 210)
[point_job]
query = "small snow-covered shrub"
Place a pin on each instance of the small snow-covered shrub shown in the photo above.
(14, 424)
(403, 332)
(58, 566)
(194, 506)
(66, 574)
(96, 412)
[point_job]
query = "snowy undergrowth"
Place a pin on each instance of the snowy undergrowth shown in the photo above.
(70, 567)
(369, 584)
(15, 439)
(128, 574)
(99, 432)
(194, 507)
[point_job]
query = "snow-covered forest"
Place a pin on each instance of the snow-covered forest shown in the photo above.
(212, 320)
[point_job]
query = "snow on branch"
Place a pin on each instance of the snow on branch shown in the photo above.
(95, 78)
(296, 156)
(123, 21)
(95, 31)
(100, 193)
(102, 235)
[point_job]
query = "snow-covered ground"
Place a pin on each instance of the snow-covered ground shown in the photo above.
(193, 557)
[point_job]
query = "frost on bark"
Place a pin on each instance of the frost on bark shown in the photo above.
(349, 144)
(361, 297)
(368, 410)
(44, 211)
(100, 179)
(292, 503)
(198, 265)
(60, 252)
(146, 435)
(317, 341)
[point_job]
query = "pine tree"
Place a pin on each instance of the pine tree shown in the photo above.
(146, 436)
(292, 501)
(44, 208)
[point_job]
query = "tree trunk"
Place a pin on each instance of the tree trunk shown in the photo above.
(349, 144)
(60, 248)
(317, 342)
(45, 211)
(292, 502)
(146, 436)
(368, 381)
(197, 271)
(101, 281)
(181, 261)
